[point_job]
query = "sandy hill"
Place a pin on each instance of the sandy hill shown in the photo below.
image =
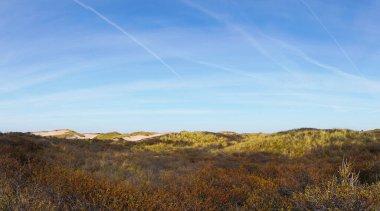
(70, 134)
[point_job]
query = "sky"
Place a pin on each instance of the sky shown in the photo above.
(172, 65)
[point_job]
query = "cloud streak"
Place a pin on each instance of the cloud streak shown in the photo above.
(341, 49)
(248, 37)
(223, 68)
(130, 36)
(372, 86)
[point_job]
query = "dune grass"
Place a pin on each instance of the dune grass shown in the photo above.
(109, 136)
(69, 133)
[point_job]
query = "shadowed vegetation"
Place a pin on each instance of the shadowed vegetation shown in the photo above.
(298, 169)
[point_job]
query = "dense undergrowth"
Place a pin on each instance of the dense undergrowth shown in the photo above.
(299, 169)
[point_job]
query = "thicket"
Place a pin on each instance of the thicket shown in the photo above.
(304, 169)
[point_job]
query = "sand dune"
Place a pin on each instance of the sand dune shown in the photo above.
(89, 136)
(69, 134)
(51, 133)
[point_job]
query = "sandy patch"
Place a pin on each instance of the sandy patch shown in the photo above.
(51, 133)
(141, 137)
(88, 136)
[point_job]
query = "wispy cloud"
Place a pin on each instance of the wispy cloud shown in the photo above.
(28, 76)
(130, 36)
(116, 91)
(373, 85)
(341, 49)
(223, 68)
(255, 42)
(238, 29)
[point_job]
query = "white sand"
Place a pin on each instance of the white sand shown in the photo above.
(141, 137)
(51, 133)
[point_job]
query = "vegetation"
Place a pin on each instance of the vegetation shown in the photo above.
(119, 136)
(304, 169)
(109, 136)
(140, 133)
(70, 134)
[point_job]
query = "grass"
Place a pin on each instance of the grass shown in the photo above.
(140, 133)
(304, 169)
(300, 142)
(109, 136)
(69, 133)
(120, 136)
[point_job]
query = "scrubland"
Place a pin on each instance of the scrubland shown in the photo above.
(303, 169)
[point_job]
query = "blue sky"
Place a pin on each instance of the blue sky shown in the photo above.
(171, 65)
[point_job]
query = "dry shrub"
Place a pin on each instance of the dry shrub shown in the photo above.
(341, 193)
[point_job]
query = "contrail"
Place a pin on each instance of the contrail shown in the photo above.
(332, 69)
(370, 84)
(345, 54)
(130, 36)
(238, 30)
